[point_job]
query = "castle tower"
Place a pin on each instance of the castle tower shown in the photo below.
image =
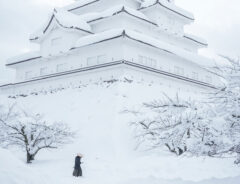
(106, 39)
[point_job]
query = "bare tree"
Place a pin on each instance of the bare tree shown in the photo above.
(31, 132)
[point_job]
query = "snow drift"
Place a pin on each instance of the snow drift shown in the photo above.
(95, 111)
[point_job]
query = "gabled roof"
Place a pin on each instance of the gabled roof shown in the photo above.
(195, 39)
(91, 17)
(65, 20)
(132, 35)
(80, 4)
(144, 39)
(169, 6)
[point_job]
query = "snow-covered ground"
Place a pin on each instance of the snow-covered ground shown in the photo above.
(95, 112)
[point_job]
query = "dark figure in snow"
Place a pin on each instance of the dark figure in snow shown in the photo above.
(77, 167)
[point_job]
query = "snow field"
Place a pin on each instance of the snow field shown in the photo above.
(105, 139)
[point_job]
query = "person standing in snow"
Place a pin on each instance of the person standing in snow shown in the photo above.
(77, 167)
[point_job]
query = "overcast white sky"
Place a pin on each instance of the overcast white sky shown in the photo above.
(217, 21)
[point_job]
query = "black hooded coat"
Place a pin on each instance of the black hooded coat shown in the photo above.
(77, 167)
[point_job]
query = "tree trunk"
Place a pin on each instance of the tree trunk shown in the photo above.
(238, 159)
(171, 149)
(30, 157)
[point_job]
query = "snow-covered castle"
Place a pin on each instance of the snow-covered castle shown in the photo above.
(92, 40)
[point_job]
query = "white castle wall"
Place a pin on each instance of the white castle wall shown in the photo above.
(128, 22)
(58, 41)
(113, 51)
(166, 84)
(75, 59)
(57, 58)
(165, 61)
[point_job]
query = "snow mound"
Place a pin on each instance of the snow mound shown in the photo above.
(14, 171)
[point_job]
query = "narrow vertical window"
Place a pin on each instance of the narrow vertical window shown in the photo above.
(43, 71)
(195, 75)
(61, 67)
(209, 79)
(28, 74)
(91, 61)
(101, 59)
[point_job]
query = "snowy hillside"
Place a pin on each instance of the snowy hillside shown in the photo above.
(95, 112)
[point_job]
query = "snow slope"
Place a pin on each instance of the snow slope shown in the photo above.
(95, 112)
(14, 171)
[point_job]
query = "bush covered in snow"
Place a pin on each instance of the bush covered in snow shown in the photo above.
(208, 128)
(178, 124)
(225, 101)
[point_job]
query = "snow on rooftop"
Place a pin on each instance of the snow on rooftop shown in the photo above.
(90, 39)
(79, 3)
(113, 33)
(23, 57)
(64, 19)
(169, 5)
(111, 11)
(190, 56)
(71, 20)
(196, 38)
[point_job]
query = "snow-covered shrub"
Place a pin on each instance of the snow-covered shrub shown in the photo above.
(225, 100)
(31, 131)
(175, 123)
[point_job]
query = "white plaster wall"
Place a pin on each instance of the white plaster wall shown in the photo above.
(172, 85)
(165, 61)
(125, 21)
(73, 80)
(59, 40)
(75, 59)
(115, 50)
(165, 18)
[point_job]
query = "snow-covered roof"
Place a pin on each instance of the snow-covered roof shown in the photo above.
(142, 38)
(195, 39)
(24, 57)
(168, 5)
(79, 4)
(64, 19)
(115, 33)
(89, 17)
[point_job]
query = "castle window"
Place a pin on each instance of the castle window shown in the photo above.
(91, 61)
(147, 61)
(56, 41)
(153, 63)
(43, 71)
(28, 74)
(195, 75)
(140, 59)
(178, 70)
(208, 79)
(61, 67)
(101, 59)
